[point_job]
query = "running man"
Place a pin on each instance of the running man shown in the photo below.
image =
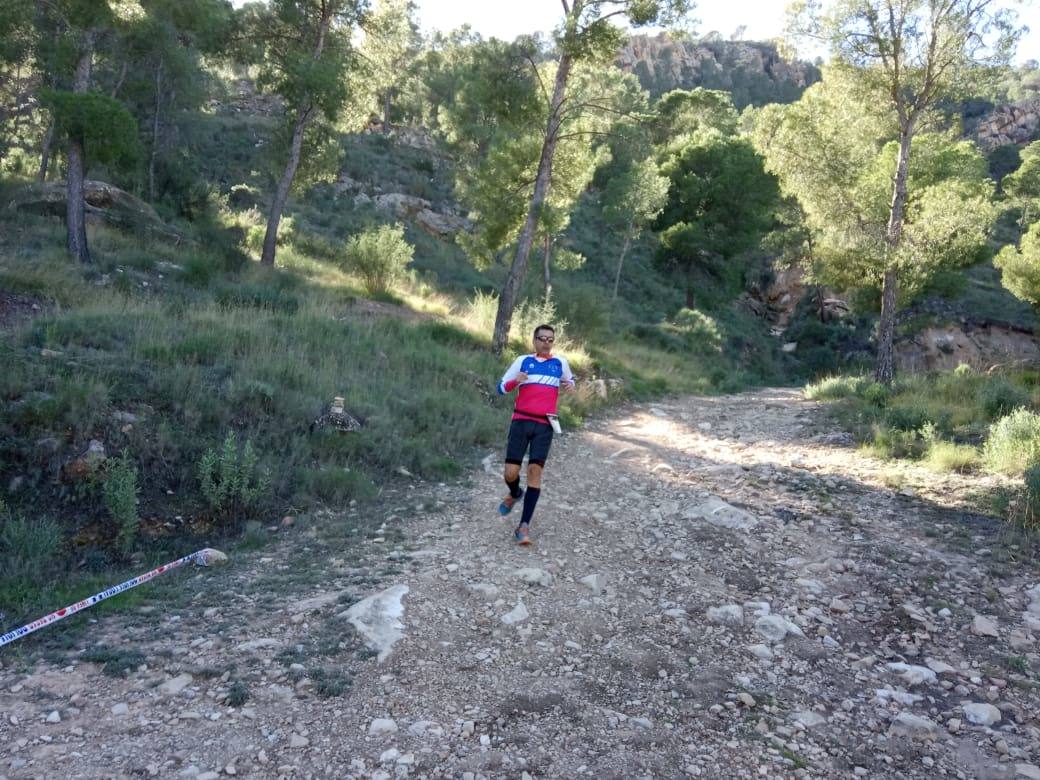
(539, 377)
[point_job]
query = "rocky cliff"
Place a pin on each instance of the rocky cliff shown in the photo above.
(1015, 124)
(754, 73)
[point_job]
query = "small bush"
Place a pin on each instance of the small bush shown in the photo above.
(28, 547)
(1014, 443)
(380, 257)
(836, 388)
(999, 397)
(876, 394)
(913, 415)
(120, 493)
(889, 443)
(1026, 510)
(946, 456)
(231, 480)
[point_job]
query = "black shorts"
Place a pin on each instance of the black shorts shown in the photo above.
(528, 433)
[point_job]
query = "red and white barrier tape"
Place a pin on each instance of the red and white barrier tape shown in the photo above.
(206, 557)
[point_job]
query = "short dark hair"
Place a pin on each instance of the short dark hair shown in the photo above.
(544, 327)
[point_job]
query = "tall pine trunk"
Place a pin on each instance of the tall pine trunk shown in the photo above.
(546, 266)
(45, 153)
(75, 205)
(621, 259)
(281, 193)
(885, 370)
(518, 270)
(156, 123)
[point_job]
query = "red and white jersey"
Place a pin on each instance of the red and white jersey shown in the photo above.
(539, 392)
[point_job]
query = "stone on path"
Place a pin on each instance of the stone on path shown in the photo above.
(718, 512)
(912, 675)
(773, 628)
(381, 727)
(378, 619)
(175, 685)
(912, 726)
(809, 719)
(518, 614)
(983, 626)
(1029, 771)
(533, 576)
(729, 614)
(982, 714)
(597, 583)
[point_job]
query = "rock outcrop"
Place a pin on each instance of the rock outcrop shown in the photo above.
(1014, 124)
(753, 72)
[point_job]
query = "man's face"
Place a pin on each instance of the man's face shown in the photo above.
(543, 341)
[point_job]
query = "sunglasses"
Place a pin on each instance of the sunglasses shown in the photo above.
(548, 339)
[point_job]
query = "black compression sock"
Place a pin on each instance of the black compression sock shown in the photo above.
(530, 501)
(514, 487)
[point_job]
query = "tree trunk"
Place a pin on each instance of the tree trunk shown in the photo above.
(155, 130)
(281, 194)
(45, 153)
(515, 280)
(547, 277)
(386, 112)
(75, 207)
(884, 370)
(621, 259)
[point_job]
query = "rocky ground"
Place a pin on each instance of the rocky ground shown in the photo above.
(720, 587)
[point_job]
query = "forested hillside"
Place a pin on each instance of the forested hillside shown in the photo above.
(214, 221)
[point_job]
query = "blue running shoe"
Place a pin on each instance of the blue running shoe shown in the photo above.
(521, 535)
(508, 503)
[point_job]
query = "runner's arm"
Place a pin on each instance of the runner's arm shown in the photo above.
(510, 379)
(567, 380)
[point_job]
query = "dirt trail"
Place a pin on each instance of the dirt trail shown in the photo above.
(720, 587)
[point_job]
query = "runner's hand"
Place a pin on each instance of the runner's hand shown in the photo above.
(568, 387)
(521, 377)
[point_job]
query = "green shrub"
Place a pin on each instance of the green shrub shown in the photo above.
(836, 388)
(1026, 510)
(876, 394)
(231, 479)
(379, 257)
(889, 443)
(1014, 443)
(28, 547)
(120, 493)
(946, 456)
(913, 415)
(999, 397)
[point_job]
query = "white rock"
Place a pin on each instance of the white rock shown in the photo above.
(297, 741)
(533, 576)
(912, 675)
(718, 512)
(518, 614)
(418, 728)
(809, 719)
(730, 615)
(757, 608)
(939, 667)
(485, 589)
(378, 619)
(54, 717)
(901, 697)
(773, 628)
(121, 709)
(641, 723)
(1029, 771)
(389, 755)
(210, 775)
(906, 724)
(258, 644)
(761, 651)
(175, 685)
(597, 583)
(983, 626)
(381, 727)
(982, 714)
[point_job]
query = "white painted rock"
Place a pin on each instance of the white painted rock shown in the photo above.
(378, 619)
(982, 714)
(256, 644)
(809, 719)
(597, 583)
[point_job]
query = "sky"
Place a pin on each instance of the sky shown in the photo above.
(763, 19)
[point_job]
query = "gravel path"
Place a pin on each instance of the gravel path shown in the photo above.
(719, 587)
